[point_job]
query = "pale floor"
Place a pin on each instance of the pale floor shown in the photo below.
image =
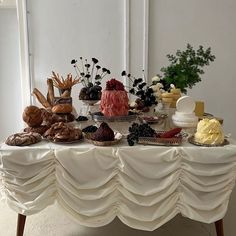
(54, 222)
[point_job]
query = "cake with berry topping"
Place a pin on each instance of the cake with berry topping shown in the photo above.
(114, 100)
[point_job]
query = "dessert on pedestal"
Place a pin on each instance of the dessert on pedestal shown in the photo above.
(114, 100)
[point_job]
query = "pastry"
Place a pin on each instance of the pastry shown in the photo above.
(50, 118)
(209, 131)
(114, 100)
(32, 115)
(103, 133)
(61, 132)
(23, 139)
(40, 129)
(62, 108)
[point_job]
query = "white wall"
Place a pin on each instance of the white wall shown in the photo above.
(10, 92)
(173, 24)
(72, 29)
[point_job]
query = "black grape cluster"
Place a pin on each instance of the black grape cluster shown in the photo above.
(139, 130)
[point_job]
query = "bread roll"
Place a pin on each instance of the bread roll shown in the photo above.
(62, 108)
(32, 115)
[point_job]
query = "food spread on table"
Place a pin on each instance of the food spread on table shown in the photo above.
(57, 119)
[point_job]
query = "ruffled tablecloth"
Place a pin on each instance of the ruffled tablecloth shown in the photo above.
(145, 186)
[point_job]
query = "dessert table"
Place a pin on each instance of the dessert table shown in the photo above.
(144, 186)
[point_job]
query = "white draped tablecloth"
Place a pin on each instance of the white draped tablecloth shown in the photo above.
(145, 186)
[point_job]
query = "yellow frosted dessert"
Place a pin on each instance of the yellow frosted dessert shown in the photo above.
(209, 131)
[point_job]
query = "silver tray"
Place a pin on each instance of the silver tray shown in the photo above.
(101, 118)
(175, 141)
(155, 119)
(192, 141)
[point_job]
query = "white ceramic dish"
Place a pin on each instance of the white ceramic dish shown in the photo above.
(183, 119)
(185, 124)
(185, 115)
(185, 104)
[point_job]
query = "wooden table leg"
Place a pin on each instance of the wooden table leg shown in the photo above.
(20, 225)
(219, 228)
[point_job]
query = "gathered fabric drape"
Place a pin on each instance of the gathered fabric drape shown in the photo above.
(145, 186)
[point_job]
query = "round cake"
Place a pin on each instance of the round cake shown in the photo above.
(114, 100)
(209, 131)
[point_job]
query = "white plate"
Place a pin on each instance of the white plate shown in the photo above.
(185, 104)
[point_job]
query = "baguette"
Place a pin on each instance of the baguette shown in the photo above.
(50, 95)
(41, 98)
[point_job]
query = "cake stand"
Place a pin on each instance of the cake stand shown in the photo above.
(118, 123)
(90, 105)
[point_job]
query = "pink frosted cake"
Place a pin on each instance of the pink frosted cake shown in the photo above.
(114, 100)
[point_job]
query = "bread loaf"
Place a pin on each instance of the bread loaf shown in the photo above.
(32, 115)
(62, 108)
(23, 139)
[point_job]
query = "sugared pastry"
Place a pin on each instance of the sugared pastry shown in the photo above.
(23, 139)
(114, 100)
(209, 131)
(40, 129)
(103, 133)
(63, 133)
(32, 115)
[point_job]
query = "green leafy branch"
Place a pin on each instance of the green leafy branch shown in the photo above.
(185, 67)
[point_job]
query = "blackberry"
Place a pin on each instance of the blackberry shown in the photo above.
(82, 118)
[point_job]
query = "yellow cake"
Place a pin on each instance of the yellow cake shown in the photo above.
(209, 131)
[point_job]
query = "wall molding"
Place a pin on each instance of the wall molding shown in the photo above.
(7, 4)
(24, 53)
(145, 37)
(126, 58)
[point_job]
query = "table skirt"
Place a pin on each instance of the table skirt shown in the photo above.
(145, 186)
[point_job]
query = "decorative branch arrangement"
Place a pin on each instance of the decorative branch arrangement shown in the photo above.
(61, 83)
(91, 76)
(144, 92)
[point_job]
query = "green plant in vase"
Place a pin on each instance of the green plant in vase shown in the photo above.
(186, 67)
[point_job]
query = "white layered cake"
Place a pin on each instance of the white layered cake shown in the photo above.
(209, 131)
(184, 116)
